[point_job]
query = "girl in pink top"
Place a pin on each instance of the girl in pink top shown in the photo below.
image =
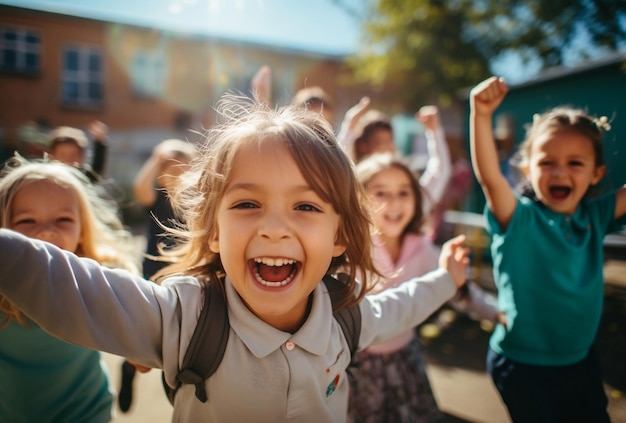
(390, 383)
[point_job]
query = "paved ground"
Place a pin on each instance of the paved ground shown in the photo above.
(465, 392)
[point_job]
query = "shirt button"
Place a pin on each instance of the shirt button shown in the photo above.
(290, 345)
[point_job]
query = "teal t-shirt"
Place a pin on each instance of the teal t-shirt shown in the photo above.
(43, 379)
(548, 268)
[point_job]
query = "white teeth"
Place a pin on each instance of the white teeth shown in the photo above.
(274, 262)
(394, 216)
(272, 284)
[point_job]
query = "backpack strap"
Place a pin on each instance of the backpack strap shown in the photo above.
(349, 318)
(204, 353)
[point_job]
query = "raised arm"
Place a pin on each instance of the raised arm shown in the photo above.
(435, 177)
(346, 136)
(261, 85)
(620, 202)
(144, 186)
(484, 99)
(99, 131)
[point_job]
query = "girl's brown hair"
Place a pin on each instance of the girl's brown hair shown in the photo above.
(323, 164)
(562, 118)
(103, 237)
(370, 122)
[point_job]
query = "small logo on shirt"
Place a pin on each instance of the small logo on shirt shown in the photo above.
(332, 386)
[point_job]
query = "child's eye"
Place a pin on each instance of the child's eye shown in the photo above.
(380, 194)
(404, 194)
(545, 163)
(307, 207)
(24, 222)
(245, 205)
(65, 219)
(575, 163)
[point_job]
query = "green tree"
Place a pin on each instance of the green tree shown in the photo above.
(427, 50)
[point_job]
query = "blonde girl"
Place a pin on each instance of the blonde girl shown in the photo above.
(43, 378)
(271, 205)
(390, 383)
(548, 260)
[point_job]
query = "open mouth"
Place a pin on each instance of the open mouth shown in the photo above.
(393, 217)
(560, 192)
(274, 272)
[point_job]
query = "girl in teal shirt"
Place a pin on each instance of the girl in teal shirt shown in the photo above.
(548, 260)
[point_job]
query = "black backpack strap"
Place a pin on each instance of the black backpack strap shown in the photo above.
(207, 345)
(349, 318)
(204, 353)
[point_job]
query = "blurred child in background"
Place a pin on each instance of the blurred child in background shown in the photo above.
(69, 145)
(41, 377)
(390, 383)
(152, 187)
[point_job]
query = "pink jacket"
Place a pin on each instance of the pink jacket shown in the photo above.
(417, 257)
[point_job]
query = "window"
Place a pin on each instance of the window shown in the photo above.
(20, 50)
(82, 76)
(149, 73)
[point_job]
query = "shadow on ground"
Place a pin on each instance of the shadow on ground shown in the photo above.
(461, 342)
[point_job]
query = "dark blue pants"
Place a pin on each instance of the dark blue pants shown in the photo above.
(550, 394)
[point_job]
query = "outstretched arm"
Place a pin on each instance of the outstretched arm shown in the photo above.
(484, 99)
(435, 177)
(454, 258)
(84, 303)
(392, 311)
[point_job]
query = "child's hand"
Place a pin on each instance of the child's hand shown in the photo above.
(163, 152)
(454, 258)
(140, 368)
(98, 131)
(262, 84)
(501, 318)
(487, 96)
(429, 117)
(357, 111)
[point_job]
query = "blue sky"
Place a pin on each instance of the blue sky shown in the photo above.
(315, 25)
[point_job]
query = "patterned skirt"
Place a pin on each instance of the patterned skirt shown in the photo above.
(392, 388)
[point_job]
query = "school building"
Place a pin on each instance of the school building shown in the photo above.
(145, 84)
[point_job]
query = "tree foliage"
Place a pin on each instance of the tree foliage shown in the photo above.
(427, 50)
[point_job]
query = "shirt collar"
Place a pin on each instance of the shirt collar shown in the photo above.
(262, 339)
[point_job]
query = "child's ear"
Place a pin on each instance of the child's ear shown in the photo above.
(339, 247)
(214, 243)
(338, 250)
(598, 174)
